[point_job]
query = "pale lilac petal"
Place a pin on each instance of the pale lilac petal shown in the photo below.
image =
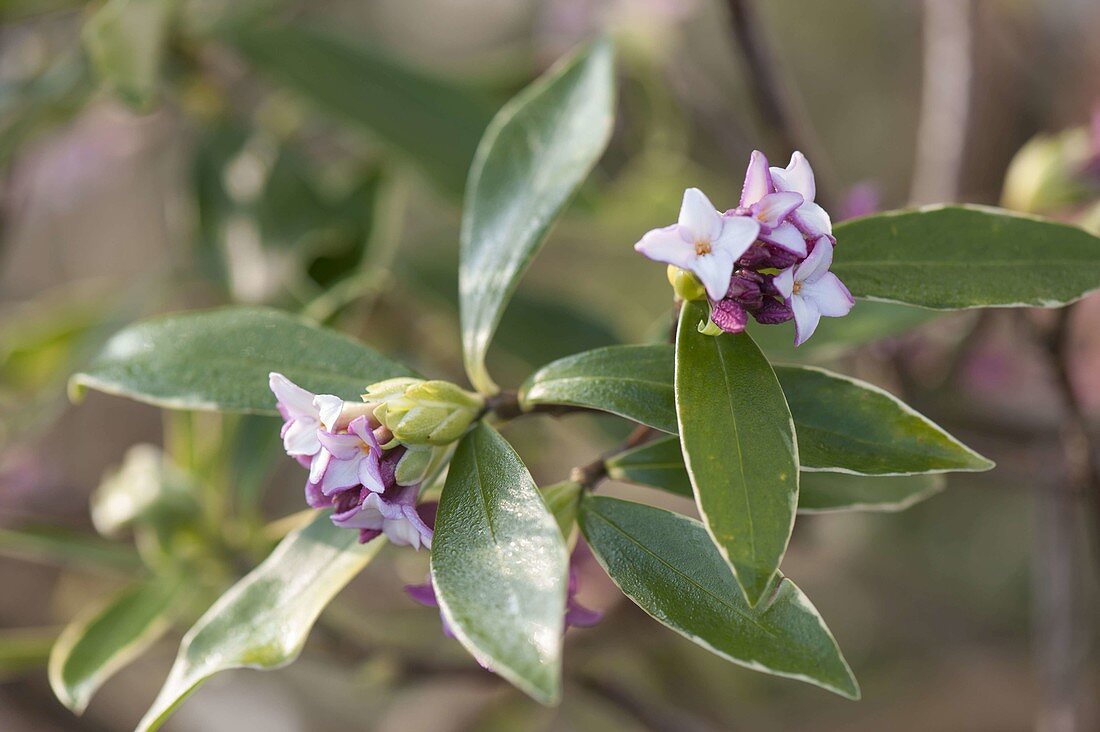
(367, 517)
(812, 220)
(774, 207)
(300, 437)
(342, 446)
(579, 616)
(340, 474)
(408, 530)
(784, 282)
(737, 235)
(360, 427)
(294, 398)
(370, 474)
(328, 409)
(830, 296)
(668, 245)
(314, 497)
(698, 216)
(319, 465)
(758, 180)
(714, 271)
(817, 263)
(423, 594)
(798, 176)
(806, 318)
(787, 236)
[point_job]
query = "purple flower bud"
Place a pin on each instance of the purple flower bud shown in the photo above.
(729, 315)
(773, 312)
(745, 288)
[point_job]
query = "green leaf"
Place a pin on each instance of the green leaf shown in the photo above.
(262, 621)
(952, 257)
(660, 464)
(828, 492)
(667, 565)
(851, 426)
(220, 360)
(95, 646)
(537, 151)
(869, 321)
(842, 423)
(434, 124)
(499, 565)
(738, 443)
(55, 545)
(632, 381)
(126, 42)
(563, 500)
(148, 487)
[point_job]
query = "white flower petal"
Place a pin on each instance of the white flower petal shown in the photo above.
(668, 245)
(830, 296)
(774, 207)
(798, 176)
(328, 409)
(812, 220)
(784, 282)
(339, 475)
(714, 271)
(699, 217)
(806, 318)
(817, 264)
(737, 235)
(787, 236)
(300, 437)
(758, 181)
(319, 465)
(298, 401)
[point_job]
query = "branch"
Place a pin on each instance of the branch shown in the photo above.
(945, 101)
(778, 108)
(1060, 629)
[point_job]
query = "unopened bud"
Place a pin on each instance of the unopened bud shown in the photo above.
(685, 284)
(423, 412)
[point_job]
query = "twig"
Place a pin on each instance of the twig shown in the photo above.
(778, 108)
(945, 101)
(654, 717)
(1061, 645)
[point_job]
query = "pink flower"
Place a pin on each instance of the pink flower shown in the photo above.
(811, 290)
(702, 242)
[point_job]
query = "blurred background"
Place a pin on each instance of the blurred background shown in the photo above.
(190, 153)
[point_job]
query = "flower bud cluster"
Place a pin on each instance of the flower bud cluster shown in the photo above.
(769, 257)
(367, 460)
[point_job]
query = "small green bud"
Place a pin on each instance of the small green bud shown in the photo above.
(685, 284)
(424, 412)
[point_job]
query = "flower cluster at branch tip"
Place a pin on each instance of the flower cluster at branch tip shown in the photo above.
(367, 460)
(576, 615)
(769, 257)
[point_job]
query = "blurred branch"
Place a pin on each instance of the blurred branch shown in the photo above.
(777, 106)
(1062, 646)
(656, 717)
(945, 101)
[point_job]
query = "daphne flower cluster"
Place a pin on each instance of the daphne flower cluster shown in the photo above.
(356, 467)
(769, 257)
